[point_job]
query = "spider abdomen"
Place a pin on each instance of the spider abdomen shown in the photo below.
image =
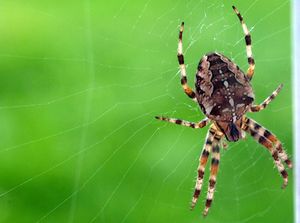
(223, 91)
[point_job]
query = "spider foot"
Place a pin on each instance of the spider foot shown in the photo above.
(284, 175)
(289, 163)
(193, 204)
(207, 206)
(192, 207)
(205, 212)
(285, 183)
(181, 26)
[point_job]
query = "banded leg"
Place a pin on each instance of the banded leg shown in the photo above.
(267, 144)
(213, 173)
(263, 105)
(193, 125)
(271, 137)
(202, 164)
(180, 57)
(251, 62)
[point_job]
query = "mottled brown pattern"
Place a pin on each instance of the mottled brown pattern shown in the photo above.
(203, 160)
(255, 130)
(212, 183)
(200, 174)
(197, 193)
(214, 167)
(218, 80)
(208, 203)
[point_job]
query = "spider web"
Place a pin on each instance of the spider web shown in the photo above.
(79, 141)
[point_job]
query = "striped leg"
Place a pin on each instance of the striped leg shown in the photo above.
(251, 62)
(271, 137)
(180, 57)
(197, 125)
(268, 144)
(202, 164)
(263, 105)
(213, 173)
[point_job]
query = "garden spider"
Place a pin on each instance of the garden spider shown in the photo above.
(224, 94)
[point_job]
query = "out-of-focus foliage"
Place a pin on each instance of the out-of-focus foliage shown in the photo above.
(80, 84)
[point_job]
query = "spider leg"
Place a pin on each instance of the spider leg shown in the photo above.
(180, 57)
(251, 62)
(255, 133)
(263, 105)
(202, 163)
(194, 125)
(271, 137)
(213, 173)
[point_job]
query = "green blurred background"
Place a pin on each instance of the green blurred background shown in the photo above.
(81, 82)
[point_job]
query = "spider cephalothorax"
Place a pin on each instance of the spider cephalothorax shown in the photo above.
(224, 94)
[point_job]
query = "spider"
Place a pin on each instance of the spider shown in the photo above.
(224, 94)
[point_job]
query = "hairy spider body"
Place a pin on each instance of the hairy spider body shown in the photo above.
(224, 94)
